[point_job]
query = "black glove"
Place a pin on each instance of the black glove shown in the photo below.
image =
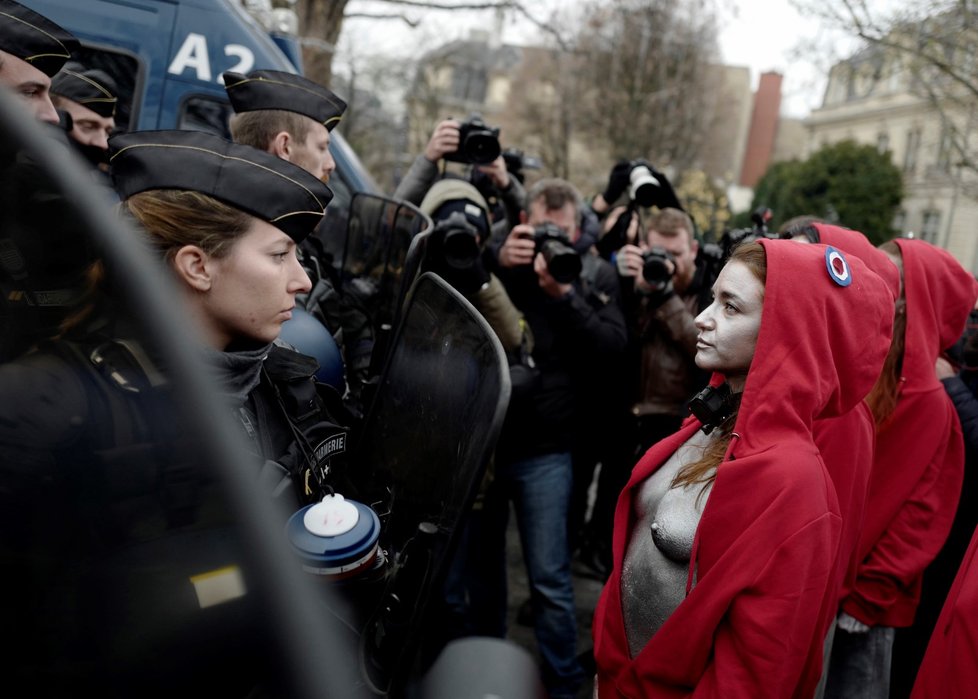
(617, 181)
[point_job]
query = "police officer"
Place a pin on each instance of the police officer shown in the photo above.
(32, 51)
(291, 117)
(89, 96)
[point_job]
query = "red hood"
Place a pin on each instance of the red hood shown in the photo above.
(940, 294)
(850, 241)
(822, 343)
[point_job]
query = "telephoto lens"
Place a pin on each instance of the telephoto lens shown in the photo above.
(642, 185)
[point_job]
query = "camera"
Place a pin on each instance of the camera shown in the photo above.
(642, 184)
(656, 267)
(759, 217)
(478, 144)
(459, 240)
(516, 162)
(563, 261)
(713, 405)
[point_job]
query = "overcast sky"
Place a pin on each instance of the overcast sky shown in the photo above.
(761, 35)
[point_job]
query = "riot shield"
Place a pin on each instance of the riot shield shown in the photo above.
(138, 555)
(422, 454)
(378, 235)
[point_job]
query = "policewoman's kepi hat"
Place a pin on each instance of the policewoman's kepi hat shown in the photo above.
(246, 178)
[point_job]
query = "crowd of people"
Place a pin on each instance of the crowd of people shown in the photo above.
(776, 441)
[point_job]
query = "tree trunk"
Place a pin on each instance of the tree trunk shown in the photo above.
(320, 23)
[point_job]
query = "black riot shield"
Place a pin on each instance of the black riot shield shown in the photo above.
(379, 232)
(422, 454)
(138, 555)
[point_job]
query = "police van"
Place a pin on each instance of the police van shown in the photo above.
(168, 56)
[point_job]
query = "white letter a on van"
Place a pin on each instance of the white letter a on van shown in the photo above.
(193, 54)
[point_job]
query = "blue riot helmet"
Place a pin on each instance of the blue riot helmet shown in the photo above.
(310, 337)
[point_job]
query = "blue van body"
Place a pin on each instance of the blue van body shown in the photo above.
(170, 55)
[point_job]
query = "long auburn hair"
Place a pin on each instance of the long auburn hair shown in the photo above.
(882, 400)
(703, 470)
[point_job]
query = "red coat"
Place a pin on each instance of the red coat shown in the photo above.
(918, 467)
(764, 555)
(950, 666)
(848, 443)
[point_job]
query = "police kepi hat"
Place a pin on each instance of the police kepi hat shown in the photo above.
(94, 89)
(34, 38)
(273, 89)
(246, 178)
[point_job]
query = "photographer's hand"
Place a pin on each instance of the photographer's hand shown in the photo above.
(497, 172)
(629, 261)
(551, 287)
(519, 248)
(443, 140)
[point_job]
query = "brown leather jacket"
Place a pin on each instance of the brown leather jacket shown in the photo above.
(668, 376)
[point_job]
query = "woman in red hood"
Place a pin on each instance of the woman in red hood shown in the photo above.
(727, 534)
(917, 470)
(949, 670)
(847, 443)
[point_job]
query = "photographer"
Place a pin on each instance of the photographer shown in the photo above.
(663, 294)
(446, 144)
(644, 186)
(577, 328)
(455, 252)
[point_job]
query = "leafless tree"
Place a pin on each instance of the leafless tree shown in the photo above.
(321, 23)
(932, 42)
(641, 83)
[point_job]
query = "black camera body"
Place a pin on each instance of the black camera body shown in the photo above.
(656, 267)
(713, 405)
(563, 261)
(478, 143)
(516, 162)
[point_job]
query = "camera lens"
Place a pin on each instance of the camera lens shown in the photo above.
(656, 268)
(643, 185)
(563, 262)
(481, 147)
(460, 248)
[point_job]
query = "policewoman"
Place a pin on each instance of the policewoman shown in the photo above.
(726, 536)
(227, 220)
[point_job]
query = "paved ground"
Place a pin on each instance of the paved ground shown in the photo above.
(586, 591)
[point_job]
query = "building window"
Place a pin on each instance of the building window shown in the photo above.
(944, 151)
(932, 222)
(469, 83)
(910, 156)
(899, 222)
(882, 142)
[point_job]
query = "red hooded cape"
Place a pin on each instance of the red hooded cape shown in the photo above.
(765, 550)
(950, 666)
(847, 443)
(918, 467)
